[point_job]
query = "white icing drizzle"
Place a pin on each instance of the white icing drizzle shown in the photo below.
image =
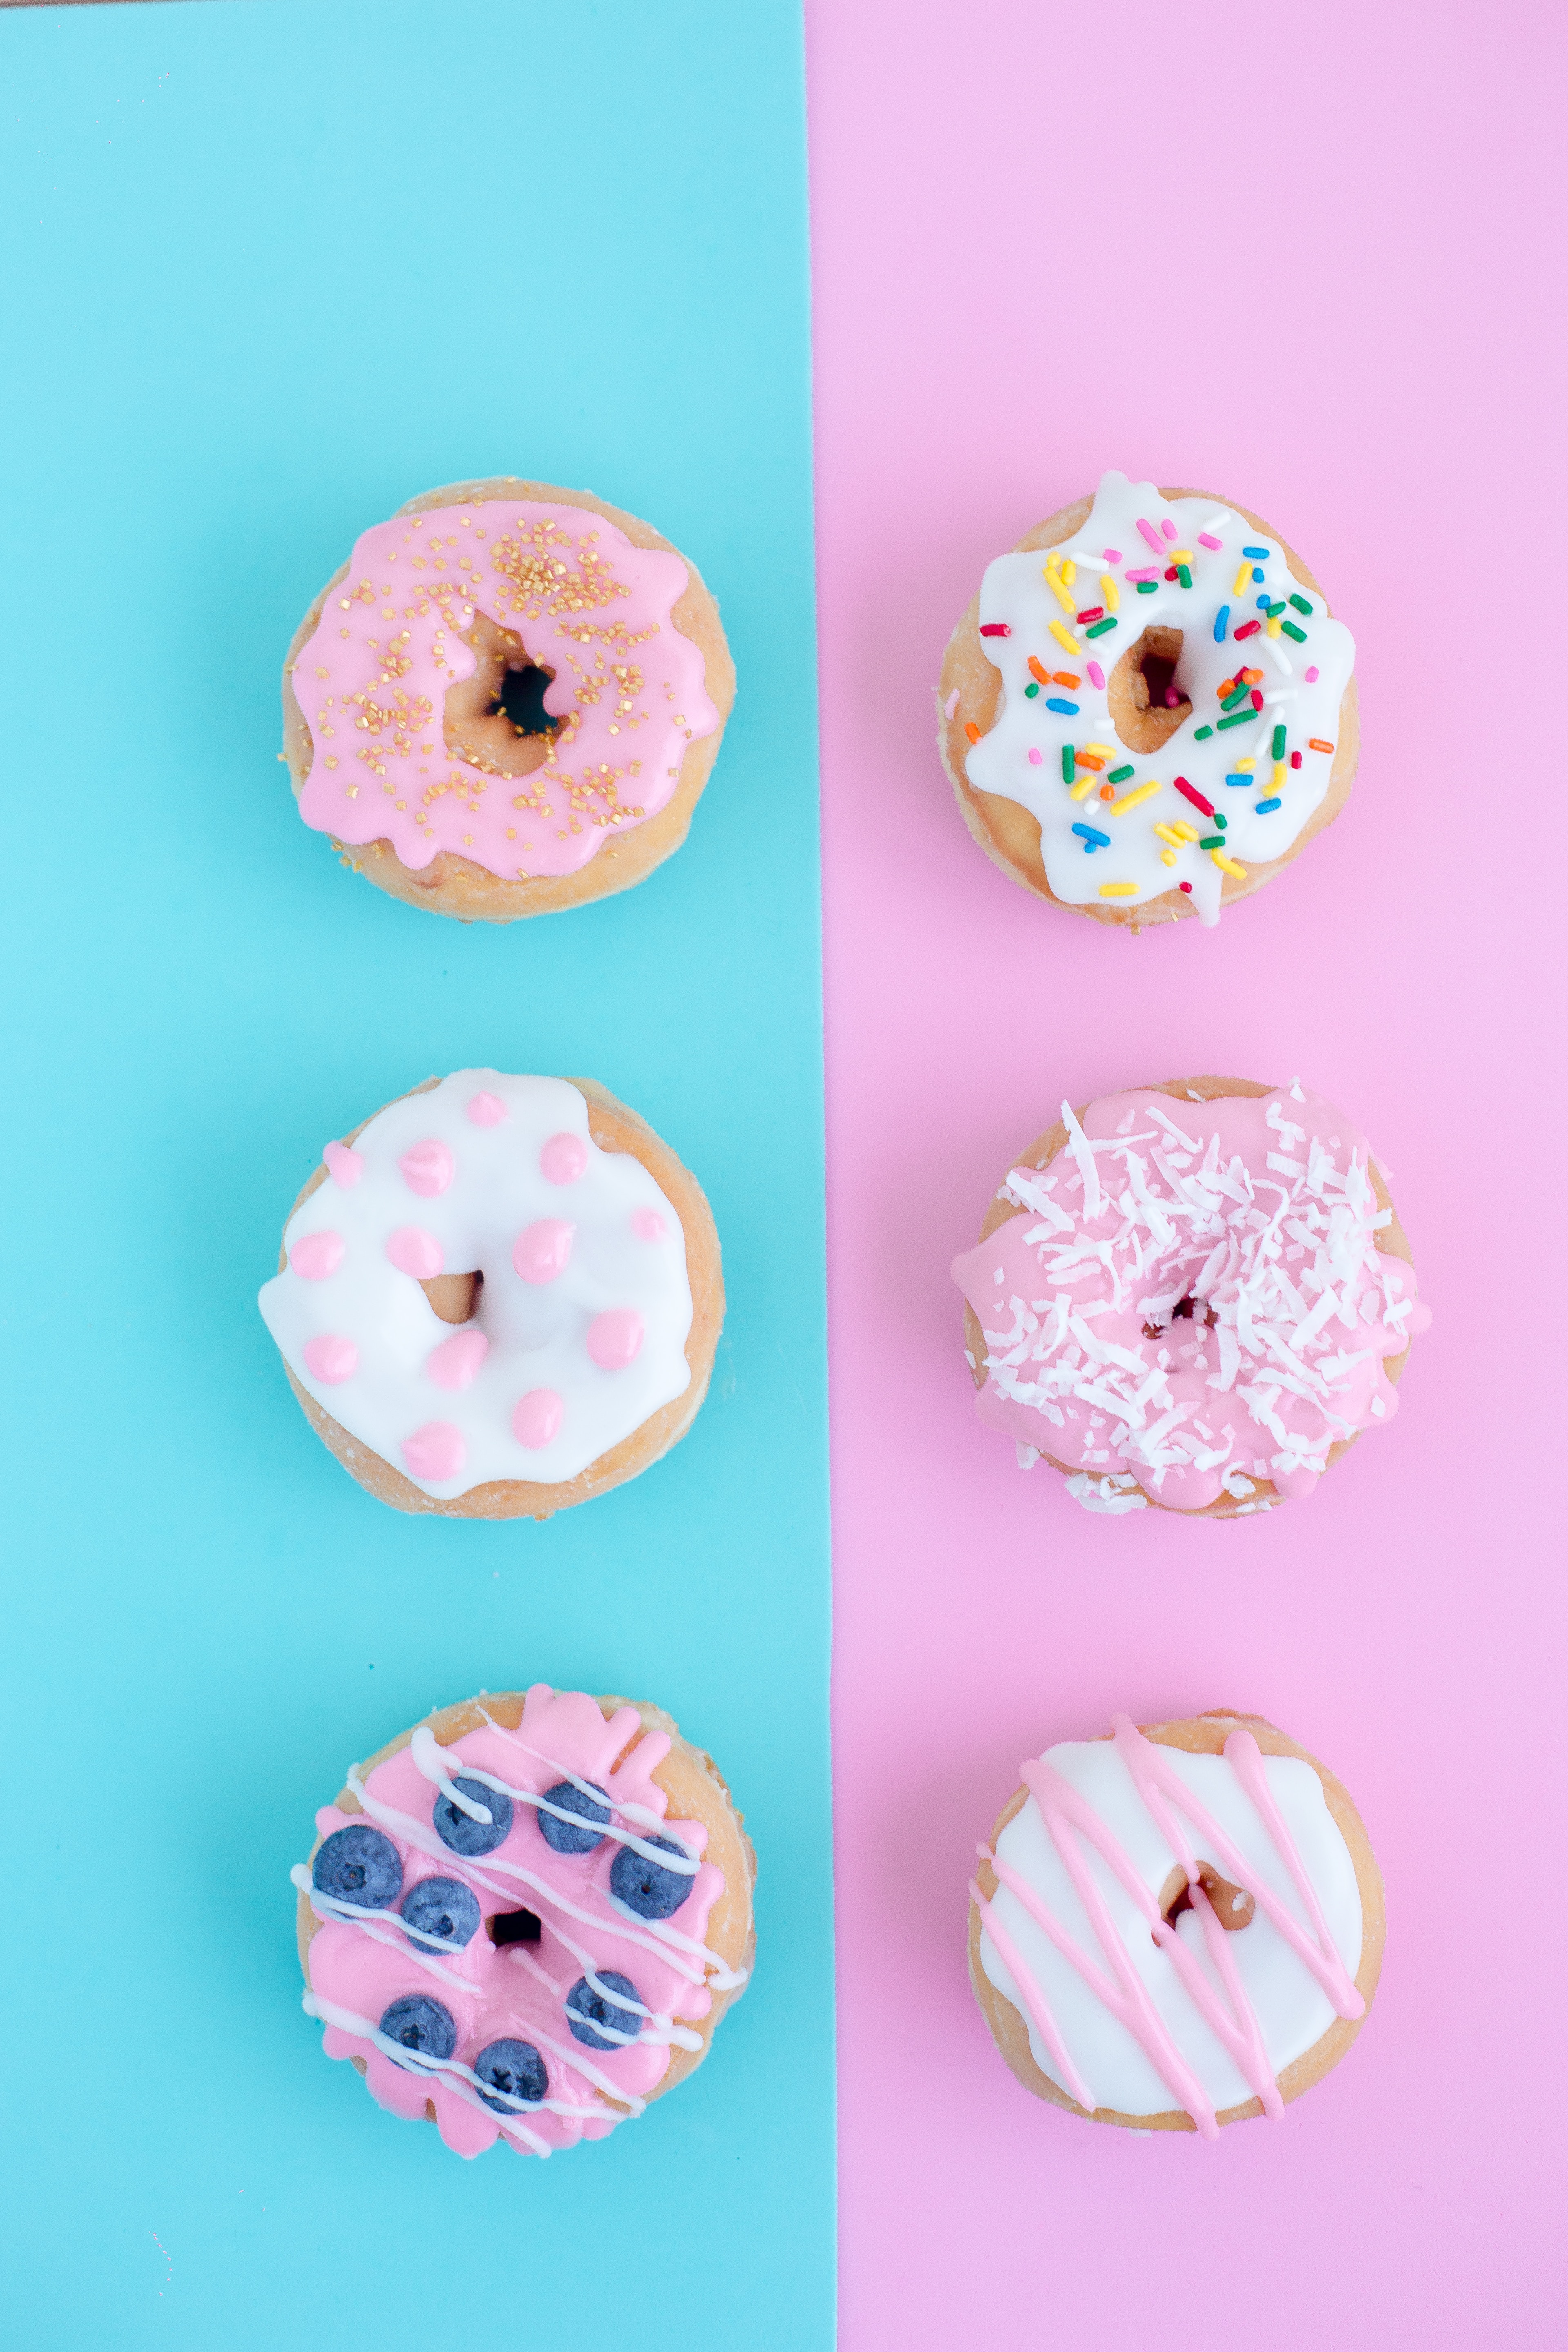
(449, 1428)
(1027, 599)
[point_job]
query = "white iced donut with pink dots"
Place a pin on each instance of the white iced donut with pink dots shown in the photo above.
(498, 1297)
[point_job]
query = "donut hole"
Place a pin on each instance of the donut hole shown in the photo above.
(1234, 1907)
(514, 1927)
(1147, 700)
(496, 719)
(1185, 1310)
(454, 1296)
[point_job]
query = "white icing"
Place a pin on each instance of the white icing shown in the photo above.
(536, 1332)
(1292, 2009)
(1017, 593)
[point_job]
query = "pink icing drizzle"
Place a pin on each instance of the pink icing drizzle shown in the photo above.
(518, 1992)
(542, 1250)
(536, 1417)
(615, 1339)
(588, 604)
(428, 1168)
(563, 1158)
(437, 1451)
(331, 1359)
(1069, 1816)
(413, 1251)
(344, 1166)
(1257, 1209)
(314, 1256)
(455, 1362)
(487, 1110)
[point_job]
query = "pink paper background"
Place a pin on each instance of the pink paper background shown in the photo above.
(1307, 258)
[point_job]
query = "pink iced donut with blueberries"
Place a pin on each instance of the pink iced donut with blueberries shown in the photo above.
(498, 1297)
(507, 701)
(1195, 1295)
(523, 1920)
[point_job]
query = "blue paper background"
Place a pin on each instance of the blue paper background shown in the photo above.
(273, 268)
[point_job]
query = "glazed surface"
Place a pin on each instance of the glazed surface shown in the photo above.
(1193, 1300)
(1248, 766)
(1134, 2005)
(361, 1960)
(627, 689)
(576, 1333)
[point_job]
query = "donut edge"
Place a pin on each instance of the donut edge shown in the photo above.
(1047, 1147)
(455, 886)
(697, 1790)
(613, 1128)
(1202, 1734)
(1006, 830)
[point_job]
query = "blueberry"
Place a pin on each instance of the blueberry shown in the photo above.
(461, 1832)
(586, 2009)
(564, 1837)
(443, 1909)
(421, 2024)
(646, 1887)
(513, 2068)
(358, 1866)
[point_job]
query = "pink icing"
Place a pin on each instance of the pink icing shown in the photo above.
(1070, 1817)
(487, 1110)
(588, 604)
(435, 1452)
(518, 1992)
(615, 1339)
(331, 1359)
(316, 1256)
(540, 1251)
(426, 1168)
(649, 1226)
(455, 1362)
(1258, 1211)
(344, 1166)
(563, 1158)
(413, 1251)
(536, 1417)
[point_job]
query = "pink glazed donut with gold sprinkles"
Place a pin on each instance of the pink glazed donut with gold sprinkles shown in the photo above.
(507, 701)
(1194, 1294)
(498, 1297)
(523, 1919)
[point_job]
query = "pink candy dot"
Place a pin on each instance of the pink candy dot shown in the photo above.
(426, 1168)
(563, 1158)
(329, 1359)
(1036, 759)
(536, 1417)
(344, 1167)
(454, 1363)
(615, 1339)
(437, 1451)
(541, 1251)
(1312, 676)
(315, 1255)
(649, 1226)
(413, 1251)
(487, 1110)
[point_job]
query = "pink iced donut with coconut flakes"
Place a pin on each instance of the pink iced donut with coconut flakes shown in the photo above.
(1195, 1295)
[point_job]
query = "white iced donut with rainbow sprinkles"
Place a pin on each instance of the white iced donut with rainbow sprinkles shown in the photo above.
(1148, 710)
(498, 1297)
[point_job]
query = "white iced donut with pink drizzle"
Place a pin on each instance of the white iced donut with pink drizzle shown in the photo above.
(498, 1297)
(523, 1920)
(1195, 1295)
(507, 701)
(1176, 1928)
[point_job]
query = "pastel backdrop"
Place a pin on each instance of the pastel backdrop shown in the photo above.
(271, 269)
(1303, 259)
